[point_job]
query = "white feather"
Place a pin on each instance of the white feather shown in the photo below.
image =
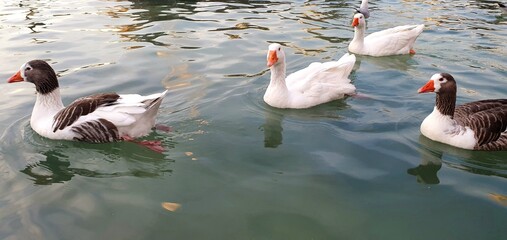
(393, 41)
(442, 128)
(316, 84)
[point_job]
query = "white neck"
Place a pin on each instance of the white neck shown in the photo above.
(44, 111)
(47, 104)
(277, 92)
(358, 39)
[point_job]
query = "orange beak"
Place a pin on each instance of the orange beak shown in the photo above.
(428, 87)
(355, 22)
(272, 58)
(15, 78)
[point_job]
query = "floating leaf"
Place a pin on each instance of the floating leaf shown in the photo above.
(499, 198)
(169, 206)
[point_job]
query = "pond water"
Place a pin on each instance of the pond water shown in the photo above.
(356, 168)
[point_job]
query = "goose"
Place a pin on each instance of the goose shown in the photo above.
(363, 9)
(316, 84)
(477, 125)
(502, 7)
(393, 41)
(99, 118)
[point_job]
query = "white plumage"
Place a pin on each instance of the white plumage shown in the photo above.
(393, 41)
(316, 84)
(102, 117)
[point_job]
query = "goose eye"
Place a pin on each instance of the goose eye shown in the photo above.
(28, 68)
(441, 79)
(279, 49)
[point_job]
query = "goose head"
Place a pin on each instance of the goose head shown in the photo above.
(358, 20)
(275, 54)
(440, 83)
(39, 73)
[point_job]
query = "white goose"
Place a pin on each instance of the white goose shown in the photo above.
(316, 84)
(99, 118)
(477, 125)
(393, 41)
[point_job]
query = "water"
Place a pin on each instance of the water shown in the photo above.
(351, 169)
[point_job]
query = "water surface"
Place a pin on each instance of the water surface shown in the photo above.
(355, 168)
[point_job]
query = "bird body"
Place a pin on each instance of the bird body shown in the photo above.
(480, 125)
(393, 41)
(105, 117)
(316, 84)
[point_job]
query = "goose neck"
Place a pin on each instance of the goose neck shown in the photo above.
(446, 103)
(50, 102)
(359, 34)
(278, 74)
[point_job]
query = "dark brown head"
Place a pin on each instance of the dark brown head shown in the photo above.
(39, 73)
(444, 85)
(440, 83)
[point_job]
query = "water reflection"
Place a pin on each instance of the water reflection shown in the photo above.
(433, 154)
(272, 129)
(400, 62)
(57, 168)
(431, 162)
(47, 161)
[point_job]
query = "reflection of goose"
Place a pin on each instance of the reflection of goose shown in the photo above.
(399, 62)
(59, 164)
(318, 83)
(426, 171)
(392, 41)
(99, 118)
(272, 129)
(434, 154)
(45, 161)
(480, 125)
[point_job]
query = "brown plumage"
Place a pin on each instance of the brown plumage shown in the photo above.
(105, 117)
(486, 118)
(81, 107)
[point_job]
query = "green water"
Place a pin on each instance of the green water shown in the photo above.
(356, 168)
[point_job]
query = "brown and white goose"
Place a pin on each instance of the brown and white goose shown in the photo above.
(477, 125)
(100, 118)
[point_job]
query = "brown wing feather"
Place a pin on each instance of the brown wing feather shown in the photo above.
(82, 107)
(488, 119)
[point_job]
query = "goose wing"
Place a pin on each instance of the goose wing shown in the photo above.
(394, 38)
(116, 109)
(488, 119)
(328, 77)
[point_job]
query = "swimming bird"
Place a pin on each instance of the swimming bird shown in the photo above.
(477, 125)
(392, 41)
(363, 9)
(99, 118)
(316, 84)
(502, 7)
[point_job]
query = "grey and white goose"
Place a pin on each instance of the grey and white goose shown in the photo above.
(363, 9)
(99, 118)
(502, 7)
(477, 125)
